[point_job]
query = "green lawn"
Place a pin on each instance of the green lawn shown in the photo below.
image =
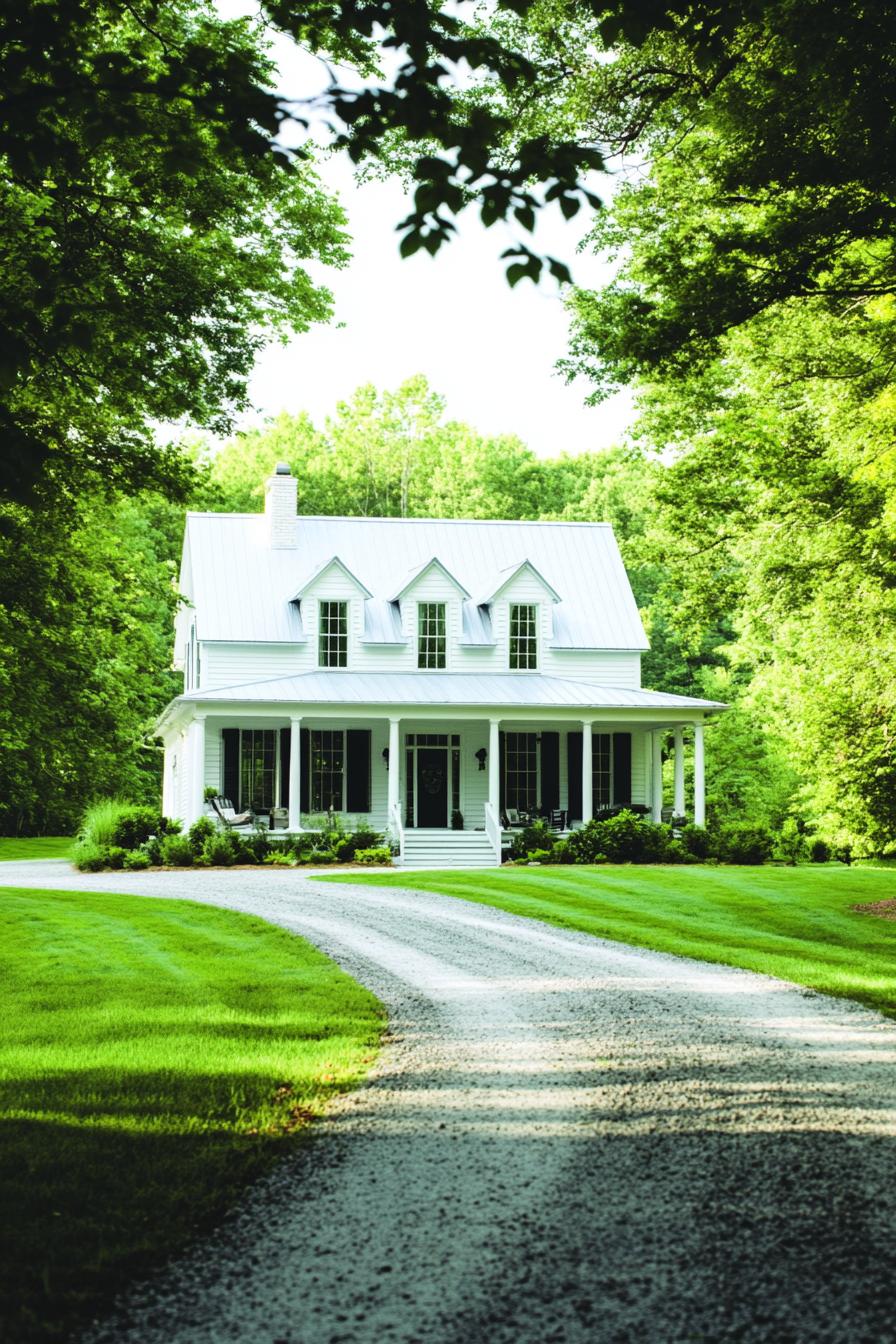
(796, 923)
(154, 1057)
(35, 847)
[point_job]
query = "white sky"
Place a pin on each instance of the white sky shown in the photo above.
(488, 349)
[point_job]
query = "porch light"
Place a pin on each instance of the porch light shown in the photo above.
(386, 756)
(481, 757)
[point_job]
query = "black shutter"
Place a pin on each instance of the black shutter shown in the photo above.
(230, 771)
(550, 771)
(622, 767)
(357, 763)
(502, 753)
(285, 747)
(574, 774)
(305, 799)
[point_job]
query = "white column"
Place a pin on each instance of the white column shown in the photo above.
(394, 765)
(657, 776)
(197, 790)
(494, 766)
(587, 775)
(295, 772)
(678, 799)
(167, 784)
(699, 779)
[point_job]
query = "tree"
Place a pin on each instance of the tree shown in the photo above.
(152, 241)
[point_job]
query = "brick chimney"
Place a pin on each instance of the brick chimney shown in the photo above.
(280, 507)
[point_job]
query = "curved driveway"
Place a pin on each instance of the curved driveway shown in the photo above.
(564, 1140)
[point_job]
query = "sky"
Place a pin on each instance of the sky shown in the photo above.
(488, 349)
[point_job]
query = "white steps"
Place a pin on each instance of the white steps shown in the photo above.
(442, 848)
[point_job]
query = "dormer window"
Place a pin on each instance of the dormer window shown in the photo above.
(431, 634)
(333, 635)
(523, 637)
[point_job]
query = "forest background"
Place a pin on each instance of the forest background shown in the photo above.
(752, 310)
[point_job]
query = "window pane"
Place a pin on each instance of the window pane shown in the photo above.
(327, 769)
(523, 638)
(333, 635)
(520, 771)
(258, 747)
(600, 769)
(431, 639)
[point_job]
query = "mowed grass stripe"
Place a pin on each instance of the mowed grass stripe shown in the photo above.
(35, 847)
(795, 923)
(154, 1057)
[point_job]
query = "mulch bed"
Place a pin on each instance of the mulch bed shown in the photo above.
(882, 909)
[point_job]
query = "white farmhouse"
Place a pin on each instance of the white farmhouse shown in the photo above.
(418, 675)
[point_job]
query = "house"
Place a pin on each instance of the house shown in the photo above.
(417, 674)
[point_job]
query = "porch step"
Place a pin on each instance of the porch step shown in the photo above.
(424, 848)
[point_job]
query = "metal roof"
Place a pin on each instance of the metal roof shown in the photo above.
(241, 587)
(513, 690)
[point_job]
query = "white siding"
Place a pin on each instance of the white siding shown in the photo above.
(239, 664)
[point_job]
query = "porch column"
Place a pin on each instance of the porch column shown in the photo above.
(678, 800)
(494, 766)
(394, 765)
(167, 784)
(295, 772)
(587, 775)
(699, 782)
(197, 792)
(657, 776)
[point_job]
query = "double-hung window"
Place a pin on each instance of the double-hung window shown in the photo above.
(333, 635)
(523, 638)
(327, 769)
(431, 634)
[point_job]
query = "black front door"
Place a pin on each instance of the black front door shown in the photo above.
(432, 786)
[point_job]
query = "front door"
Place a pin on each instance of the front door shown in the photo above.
(432, 786)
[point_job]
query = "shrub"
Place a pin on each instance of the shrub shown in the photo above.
(198, 833)
(696, 841)
(175, 851)
(279, 858)
(152, 848)
(88, 856)
(250, 846)
(303, 843)
(218, 849)
(791, 846)
(538, 856)
(100, 820)
(376, 854)
(115, 856)
(136, 824)
(538, 836)
(742, 842)
(318, 857)
(819, 851)
(136, 859)
(678, 852)
(560, 853)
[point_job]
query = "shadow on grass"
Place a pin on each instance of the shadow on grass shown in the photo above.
(104, 1203)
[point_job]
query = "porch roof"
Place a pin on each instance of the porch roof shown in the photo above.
(487, 690)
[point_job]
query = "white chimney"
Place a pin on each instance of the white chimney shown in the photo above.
(280, 507)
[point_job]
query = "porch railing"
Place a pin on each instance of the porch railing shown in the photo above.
(493, 830)
(396, 826)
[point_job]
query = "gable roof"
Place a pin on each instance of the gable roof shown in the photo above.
(334, 562)
(419, 570)
(242, 589)
(507, 576)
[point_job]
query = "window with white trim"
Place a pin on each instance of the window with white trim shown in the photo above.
(431, 634)
(327, 769)
(521, 771)
(333, 634)
(602, 769)
(258, 768)
(523, 637)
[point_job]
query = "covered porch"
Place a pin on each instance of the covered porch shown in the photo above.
(430, 779)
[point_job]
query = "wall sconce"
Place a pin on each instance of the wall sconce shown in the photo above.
(481, 756)
(386, 756)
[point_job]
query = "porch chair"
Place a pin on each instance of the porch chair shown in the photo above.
(229, 817)
(557, 819)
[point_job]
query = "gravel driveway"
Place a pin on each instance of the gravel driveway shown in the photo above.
(564, 1140)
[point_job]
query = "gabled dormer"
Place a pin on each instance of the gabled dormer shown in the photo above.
(332, 602)
(431, 600)
(520, 601)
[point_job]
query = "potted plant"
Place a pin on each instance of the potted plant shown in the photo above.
(457, 820)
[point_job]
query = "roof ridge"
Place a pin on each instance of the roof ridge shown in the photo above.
(367, 518)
